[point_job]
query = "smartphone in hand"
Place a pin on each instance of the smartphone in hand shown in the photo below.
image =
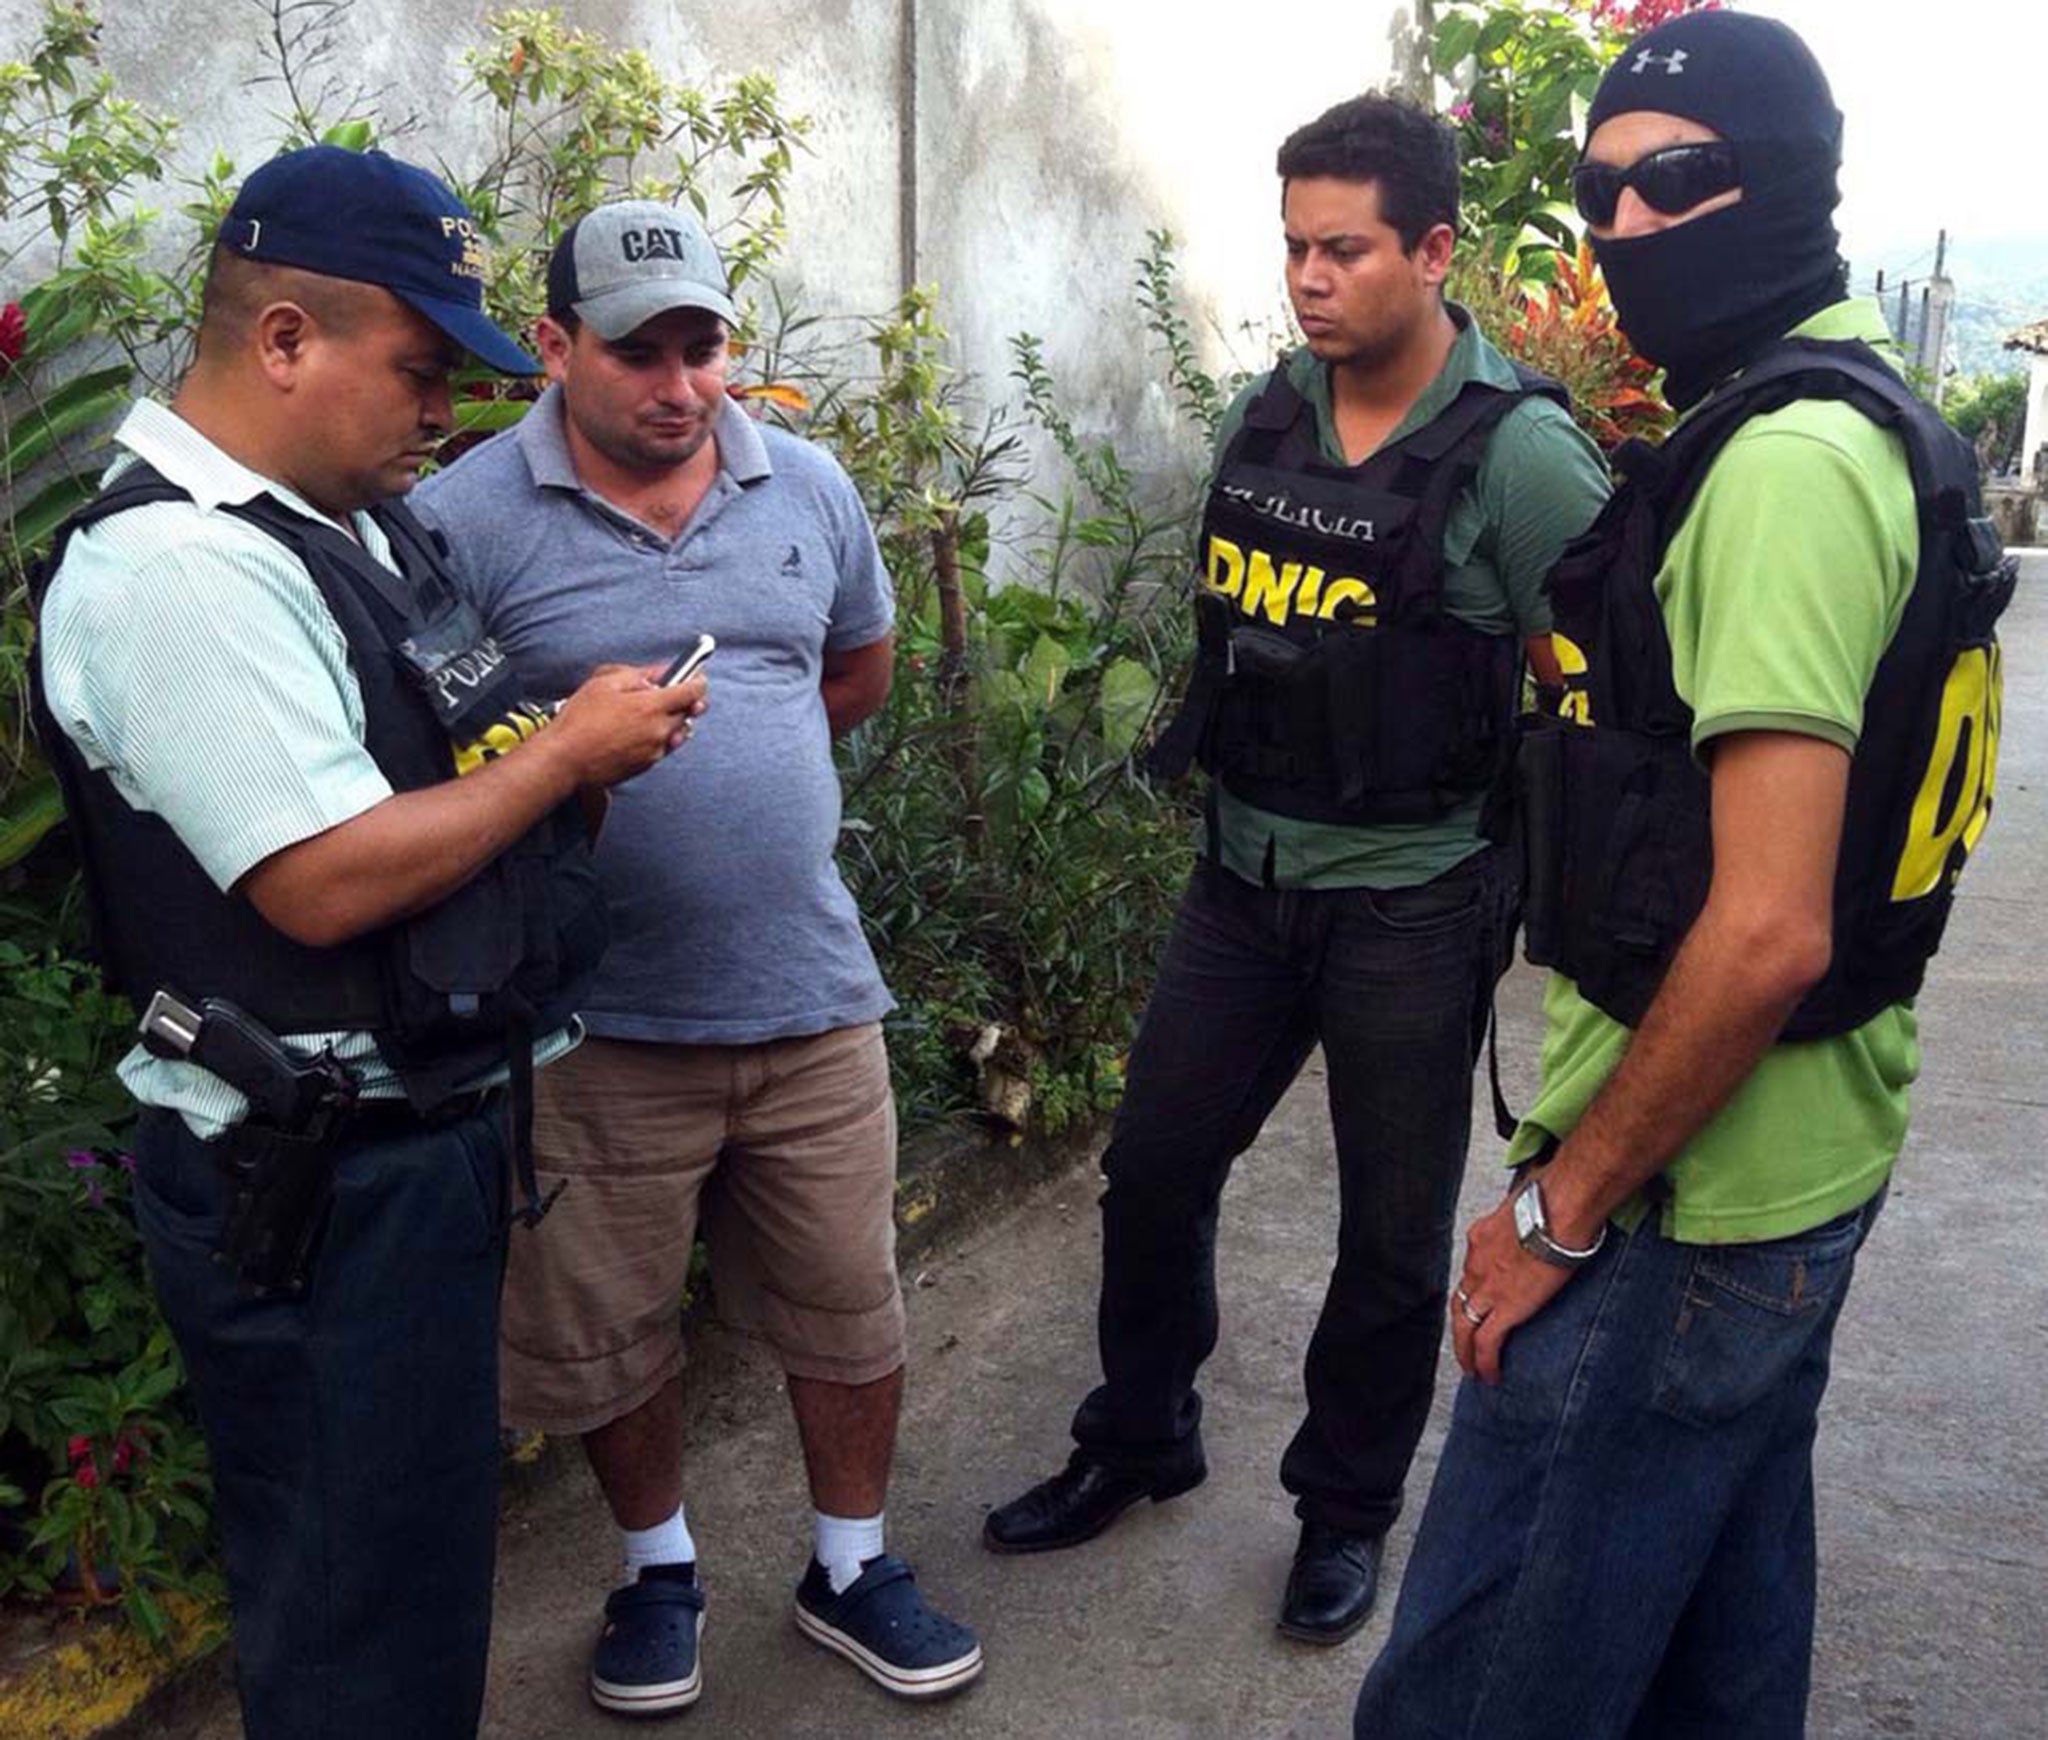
(686, 664)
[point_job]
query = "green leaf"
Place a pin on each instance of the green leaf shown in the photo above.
(1045, 669)
(1128, 693)
(490, 415)
(1454, 39)
(1497, 31)
(48, 510)
(349, 135)
(1034, 792)
(36, 429)
(30, 814)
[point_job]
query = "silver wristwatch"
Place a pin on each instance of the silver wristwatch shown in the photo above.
(1532, 1229)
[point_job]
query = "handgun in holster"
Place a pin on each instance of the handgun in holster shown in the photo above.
(279, 1161)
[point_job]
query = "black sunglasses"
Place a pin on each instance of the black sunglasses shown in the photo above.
(1671, 181)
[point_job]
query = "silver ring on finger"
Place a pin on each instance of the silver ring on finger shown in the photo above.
(1475, 1318)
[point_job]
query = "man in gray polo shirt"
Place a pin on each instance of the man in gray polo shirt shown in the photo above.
(735, 1025)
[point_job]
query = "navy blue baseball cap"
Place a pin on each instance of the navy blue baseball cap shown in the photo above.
(368, 217)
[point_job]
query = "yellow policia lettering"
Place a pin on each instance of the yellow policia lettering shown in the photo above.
(1266, 592)
(499, 737)
(1291, 590)
(1954, 800)
(1349, 591)
(1226, 567)
(1577, 704)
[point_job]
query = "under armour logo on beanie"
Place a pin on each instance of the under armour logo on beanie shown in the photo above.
(1745, 77)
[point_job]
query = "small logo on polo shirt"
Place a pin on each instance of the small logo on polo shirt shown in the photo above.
(793, 563)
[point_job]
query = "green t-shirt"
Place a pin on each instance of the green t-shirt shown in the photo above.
(1540, 484)
(1782, 588)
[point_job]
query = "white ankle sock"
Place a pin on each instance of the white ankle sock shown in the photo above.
(667, 1543)
(843, 1542)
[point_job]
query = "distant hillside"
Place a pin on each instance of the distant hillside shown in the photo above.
(2001, 283)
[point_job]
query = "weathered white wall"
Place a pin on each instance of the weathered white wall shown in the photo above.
(1051, 135)
(2035, 438)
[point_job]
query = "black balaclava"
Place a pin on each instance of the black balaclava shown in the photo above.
(1702, 298)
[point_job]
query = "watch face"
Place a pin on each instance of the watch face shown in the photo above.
(1527, 1214)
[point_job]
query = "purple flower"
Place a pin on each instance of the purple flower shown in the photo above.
(81, 1159)
(125, 1161)
(1461, 111)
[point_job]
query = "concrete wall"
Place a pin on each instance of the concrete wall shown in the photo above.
(1050, 136)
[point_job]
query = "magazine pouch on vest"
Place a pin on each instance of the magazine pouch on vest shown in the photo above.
(1329, 682)
(449, 993)
(1614, 805)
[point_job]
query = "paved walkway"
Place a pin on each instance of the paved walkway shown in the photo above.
(1932, 1463)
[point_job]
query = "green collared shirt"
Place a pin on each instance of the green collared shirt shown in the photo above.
(1540, 483)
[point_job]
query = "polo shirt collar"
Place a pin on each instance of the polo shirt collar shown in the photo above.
(178, 452)
(742, 454)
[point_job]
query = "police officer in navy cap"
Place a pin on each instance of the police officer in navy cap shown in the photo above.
(1741, 859)
(256, 687)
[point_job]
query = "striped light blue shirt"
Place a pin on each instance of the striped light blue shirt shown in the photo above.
(192, 657)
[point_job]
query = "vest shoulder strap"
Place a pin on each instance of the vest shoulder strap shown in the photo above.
(1944, 470)
(138, 486)
(1273, 411)
(1471, 417)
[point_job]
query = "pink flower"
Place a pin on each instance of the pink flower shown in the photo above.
(86, 1474)
(78, 1448)
(1461, 111)
(13, 335)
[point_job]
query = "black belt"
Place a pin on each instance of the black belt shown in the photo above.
(374, 1117)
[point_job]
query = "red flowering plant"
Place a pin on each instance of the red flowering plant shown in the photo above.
(1566, 327)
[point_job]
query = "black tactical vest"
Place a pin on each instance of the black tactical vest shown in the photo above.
(447, 993)
(1615, 807)
(1330, 683)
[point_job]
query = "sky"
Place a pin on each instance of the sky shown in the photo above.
(1946, 108)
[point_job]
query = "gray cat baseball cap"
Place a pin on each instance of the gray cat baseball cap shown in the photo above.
(621, 265)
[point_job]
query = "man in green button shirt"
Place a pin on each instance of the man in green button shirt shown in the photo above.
(1386, 505)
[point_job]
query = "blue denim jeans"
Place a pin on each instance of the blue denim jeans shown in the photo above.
(353, 1431)
(1619, 1541)
(1394, 984)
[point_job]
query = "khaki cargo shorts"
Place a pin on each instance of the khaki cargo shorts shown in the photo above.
(786, 1153)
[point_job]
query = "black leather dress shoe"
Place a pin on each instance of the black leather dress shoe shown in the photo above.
(1076, 1505)
(1330, 1589)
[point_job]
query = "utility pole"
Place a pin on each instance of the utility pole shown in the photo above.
(1411, 38)
(1936, 301)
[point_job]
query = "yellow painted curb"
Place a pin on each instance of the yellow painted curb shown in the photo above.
(98, 1672)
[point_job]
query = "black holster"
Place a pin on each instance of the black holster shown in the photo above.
(279, 1189)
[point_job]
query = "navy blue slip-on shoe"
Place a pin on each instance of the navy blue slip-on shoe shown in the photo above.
(881, 1624)
(646, 1661)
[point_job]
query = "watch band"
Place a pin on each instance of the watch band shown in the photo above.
(1532, 1230)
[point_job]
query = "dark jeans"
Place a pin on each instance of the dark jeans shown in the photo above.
(1619, 1543)
(353, 1432)
(1394, 984)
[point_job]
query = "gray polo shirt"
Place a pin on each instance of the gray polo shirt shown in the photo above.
(730, 924)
